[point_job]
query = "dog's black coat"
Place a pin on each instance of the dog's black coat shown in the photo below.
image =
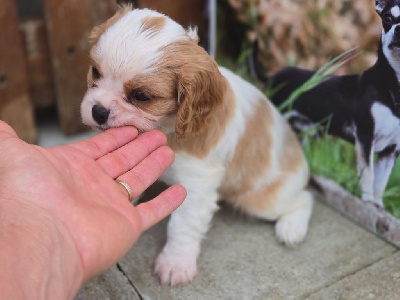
(346, 99)
(345, 104)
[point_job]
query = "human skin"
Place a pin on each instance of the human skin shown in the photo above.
(64, 219)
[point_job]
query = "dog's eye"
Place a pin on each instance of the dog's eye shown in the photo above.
(138, 95)
(387, 19)
(95, 73)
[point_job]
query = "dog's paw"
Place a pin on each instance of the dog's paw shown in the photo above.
(377, 201)
(175, 269)
(291, 230)
(368, 197)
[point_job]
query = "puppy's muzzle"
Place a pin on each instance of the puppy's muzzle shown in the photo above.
(100, 114)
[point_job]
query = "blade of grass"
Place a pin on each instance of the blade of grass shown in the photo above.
(320, 75)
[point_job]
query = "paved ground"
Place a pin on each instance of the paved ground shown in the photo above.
(241, 259)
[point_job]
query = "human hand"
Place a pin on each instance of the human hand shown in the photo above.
(66, 197)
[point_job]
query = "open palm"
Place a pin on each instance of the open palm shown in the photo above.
(73, 187)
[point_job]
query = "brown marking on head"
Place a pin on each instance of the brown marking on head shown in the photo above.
(159, 88)
(201, 145)
(153, 24)
(97, 31)
(200, 86)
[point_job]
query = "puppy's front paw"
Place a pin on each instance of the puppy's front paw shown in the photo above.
(174, 269)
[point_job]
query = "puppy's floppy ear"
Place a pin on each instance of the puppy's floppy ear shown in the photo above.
(97, 31)
(380, 4)
(201, 89)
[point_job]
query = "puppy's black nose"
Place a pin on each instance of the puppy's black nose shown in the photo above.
(100, 114)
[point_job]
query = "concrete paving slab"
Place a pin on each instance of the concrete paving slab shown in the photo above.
(111, 285)
(241, 259)
(379, 281)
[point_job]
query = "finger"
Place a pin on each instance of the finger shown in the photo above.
(148, 170)
(106, 142)
(125, 158)
(153, 211)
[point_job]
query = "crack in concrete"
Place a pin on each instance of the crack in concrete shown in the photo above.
(119, 267)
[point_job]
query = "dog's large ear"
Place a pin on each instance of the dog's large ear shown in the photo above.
(380, 5)
(97, 31)
(201, 89)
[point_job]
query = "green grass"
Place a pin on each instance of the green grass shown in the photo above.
(335, 158)
(330, 157)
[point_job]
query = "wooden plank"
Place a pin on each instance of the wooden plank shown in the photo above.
(15, 106)
(184, 12)
(366, 213)
(187, 13)
(40, 72)
(69, 23)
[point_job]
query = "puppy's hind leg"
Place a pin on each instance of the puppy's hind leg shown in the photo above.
(291, 228)
(291, 209)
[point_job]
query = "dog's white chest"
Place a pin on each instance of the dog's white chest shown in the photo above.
(387, 127)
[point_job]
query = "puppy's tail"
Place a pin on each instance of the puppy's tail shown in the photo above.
(256, 70)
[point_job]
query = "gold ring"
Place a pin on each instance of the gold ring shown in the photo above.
(127, 187)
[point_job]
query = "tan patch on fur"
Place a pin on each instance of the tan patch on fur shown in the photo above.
(252, 155)
(201, 145)
(97, 31)
(153, 24)
(251, 164)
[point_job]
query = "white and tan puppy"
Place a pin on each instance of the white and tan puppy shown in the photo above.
(230, 142)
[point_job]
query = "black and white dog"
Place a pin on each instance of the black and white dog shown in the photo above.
(363, 109)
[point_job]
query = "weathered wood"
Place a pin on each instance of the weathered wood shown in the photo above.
(186, 13)
(40, 73)
(365, 213)
(68, 24)
(15, 106)
(182, 11)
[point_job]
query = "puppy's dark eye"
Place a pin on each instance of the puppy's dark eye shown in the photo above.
(95, 73)
(387, 19)
(138, 95)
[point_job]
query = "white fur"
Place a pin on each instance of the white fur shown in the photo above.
(374, 177)
(202, 178)
(386, 133)
(392, 55)
(379, 8)
(125, 45)
(395, 11)
(124, 52)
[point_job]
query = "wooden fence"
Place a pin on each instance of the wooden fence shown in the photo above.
(44, 61)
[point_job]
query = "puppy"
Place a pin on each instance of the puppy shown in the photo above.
(230, 142)
(362, 109)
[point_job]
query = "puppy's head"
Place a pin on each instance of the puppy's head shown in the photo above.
(148, 71)
(389, 11)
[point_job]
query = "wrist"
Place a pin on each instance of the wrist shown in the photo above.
(38, 257)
